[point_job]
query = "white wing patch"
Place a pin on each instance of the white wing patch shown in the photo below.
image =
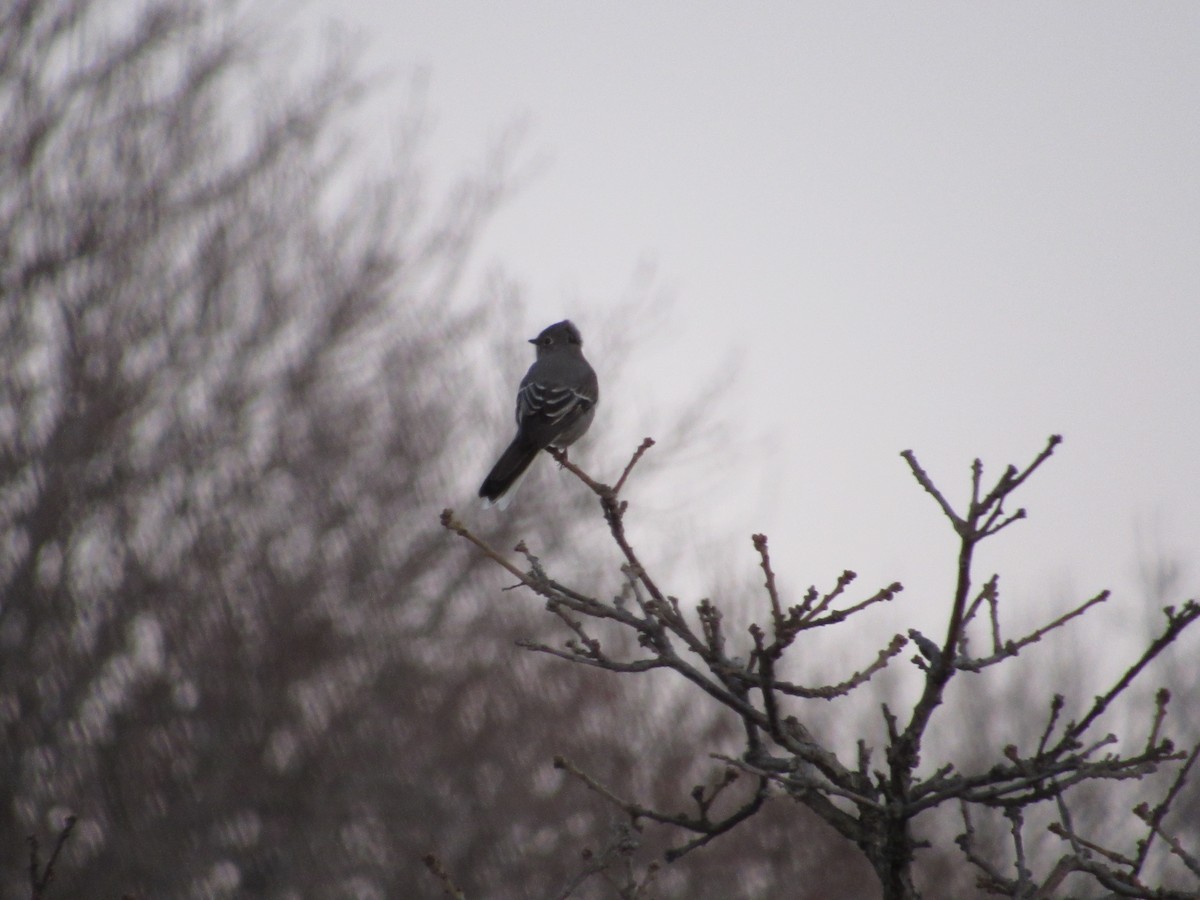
(552, 404)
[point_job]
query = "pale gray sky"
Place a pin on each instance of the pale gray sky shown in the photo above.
(952, 227)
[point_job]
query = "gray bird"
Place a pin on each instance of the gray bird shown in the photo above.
(555, 405)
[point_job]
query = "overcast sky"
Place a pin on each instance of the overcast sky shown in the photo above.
(956, 228)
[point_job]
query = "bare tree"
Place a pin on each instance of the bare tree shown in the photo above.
(874, 800)
(194, 511)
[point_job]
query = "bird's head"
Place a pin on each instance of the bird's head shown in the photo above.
(559, 336)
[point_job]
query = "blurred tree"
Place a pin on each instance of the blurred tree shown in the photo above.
(216, 437)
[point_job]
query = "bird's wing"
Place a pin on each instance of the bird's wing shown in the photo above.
(550, 405)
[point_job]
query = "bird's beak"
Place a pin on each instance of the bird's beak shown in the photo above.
(533, 340)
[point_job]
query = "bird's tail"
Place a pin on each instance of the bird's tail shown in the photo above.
(502, 482)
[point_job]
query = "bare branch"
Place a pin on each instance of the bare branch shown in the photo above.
(1056, 708)
(619, 849)
(884, 595)
(808, 612)
(991, 880)
(451, 523)
(1154, 817)
(989, 593)
(1176, 623)
(1191, 861)
(702, 824)
(875, 809)
(438, 869)
(924, 480)
(646, 444)
(862, 676)
(1024, 884)
(760, 544)
(1012, 648)
(1161, 698)
(560, 457)
(725, 825)
(990, 528)
(1012, 479)
(40, 879)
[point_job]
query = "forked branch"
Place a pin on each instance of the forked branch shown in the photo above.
(874, 809)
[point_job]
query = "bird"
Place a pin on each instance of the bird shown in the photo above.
(555, 406)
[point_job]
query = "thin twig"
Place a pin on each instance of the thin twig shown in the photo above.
(1024, 876)
(560, 457)
(451, 523)
(646, 444)
(1056, 708)
(924, 480)
(704, 826)
(828, 692)
(39, 881)
(809, 612)
(438, 870)
(1176, 623)
(764, 557)
(1012, 648)
(1011, 480)
(1154, 817)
